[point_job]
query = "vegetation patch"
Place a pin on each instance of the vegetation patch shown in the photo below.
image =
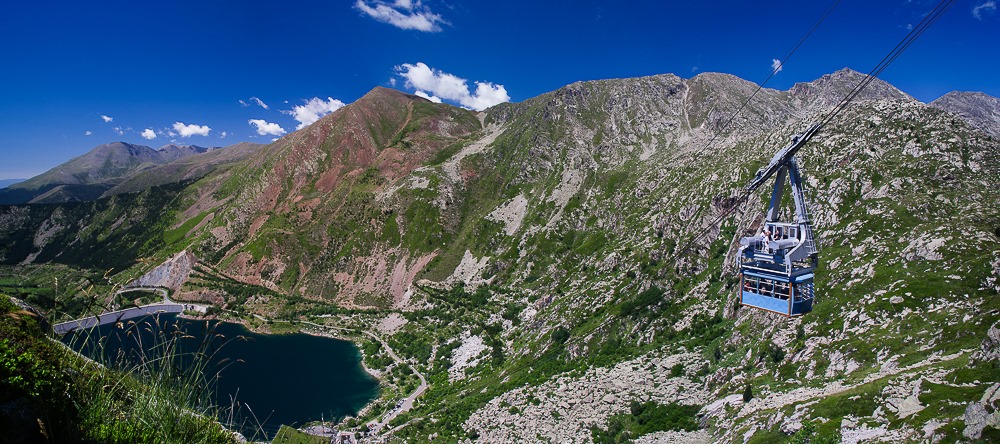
(645, 418)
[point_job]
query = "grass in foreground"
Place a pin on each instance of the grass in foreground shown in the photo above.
(64, 397)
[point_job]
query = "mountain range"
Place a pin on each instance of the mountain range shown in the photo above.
(96, 173)
(536, 264)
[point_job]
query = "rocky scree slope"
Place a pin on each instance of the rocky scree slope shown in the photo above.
(547, 232)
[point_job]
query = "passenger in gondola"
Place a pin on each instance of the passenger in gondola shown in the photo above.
(765, 236)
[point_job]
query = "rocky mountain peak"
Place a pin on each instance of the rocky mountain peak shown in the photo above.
(981, 110)
(829, 89)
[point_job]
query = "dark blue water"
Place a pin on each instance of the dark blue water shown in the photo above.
(275, 379)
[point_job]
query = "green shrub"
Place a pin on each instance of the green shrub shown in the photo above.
(644, 418)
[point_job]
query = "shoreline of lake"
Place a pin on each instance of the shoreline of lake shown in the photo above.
(278, 365)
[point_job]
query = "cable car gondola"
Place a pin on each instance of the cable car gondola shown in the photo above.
(777, 266)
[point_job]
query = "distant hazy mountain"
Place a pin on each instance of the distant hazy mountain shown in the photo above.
(8, 182)
(187, 167)
(89, 176)
(979, 109)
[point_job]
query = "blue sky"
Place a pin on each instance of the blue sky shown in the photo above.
(79, 74)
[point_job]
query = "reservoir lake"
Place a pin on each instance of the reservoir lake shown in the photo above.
(278, 379)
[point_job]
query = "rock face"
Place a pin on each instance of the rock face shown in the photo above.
(171, 274)
(979, 109)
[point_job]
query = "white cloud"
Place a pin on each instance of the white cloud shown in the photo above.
(87, 133)
(191, 130)
(148, 134)
(255, 101)
(107, 118)
(776, 66)
(434, 99)
(266, 128)
(985, 7)
(259, 102)
(313, 110)
(432, 82)
(403, 14)
(118, 130)
(223, 135)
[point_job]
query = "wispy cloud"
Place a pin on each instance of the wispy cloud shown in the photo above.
(223, 135)
(431, 82)
(313, 110)
(106, 119)
(265, 128)
(191, 130)
(403, 14)
(776, 66)
(87, 133)
(119, 130)
(255, 101)
(148, 134)
(984, 8)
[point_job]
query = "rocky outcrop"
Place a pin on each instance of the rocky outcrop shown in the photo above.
(172, 273)
(978, 109)
(565, 408)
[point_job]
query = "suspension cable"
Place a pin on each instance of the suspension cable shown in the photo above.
(911, 37)
(774, 71)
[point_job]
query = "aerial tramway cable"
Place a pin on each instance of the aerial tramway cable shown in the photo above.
(911, 37)
(774, 71)
(905, 43)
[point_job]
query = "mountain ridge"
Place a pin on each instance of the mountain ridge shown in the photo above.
(91, 175)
